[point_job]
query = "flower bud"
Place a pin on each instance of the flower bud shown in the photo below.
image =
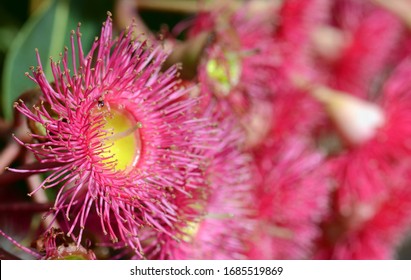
(357, 120)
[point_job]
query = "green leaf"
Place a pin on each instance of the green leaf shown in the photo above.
(48, 30)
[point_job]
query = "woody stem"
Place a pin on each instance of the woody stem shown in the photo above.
(9, 177)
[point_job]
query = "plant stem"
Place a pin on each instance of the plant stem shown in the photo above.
(126, 11)
(24, 207)
(177, 6)
(5, 128)
(40, 197)
(18, 245)
(7, 156)
(184, 6)
(189, 53)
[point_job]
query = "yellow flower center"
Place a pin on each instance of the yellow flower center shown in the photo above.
(123, 140)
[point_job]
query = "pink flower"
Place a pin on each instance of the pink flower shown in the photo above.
(372, 199)
(237, 67)
(292, 199)
(371, 211)
(368, 176)
(297, 22)
(371, 41)
(122, 139)
(217, 223)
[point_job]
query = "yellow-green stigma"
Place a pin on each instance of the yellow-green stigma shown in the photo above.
(224, 73)
(123, 140)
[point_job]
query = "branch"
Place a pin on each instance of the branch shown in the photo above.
(9, 177)
(25, 207)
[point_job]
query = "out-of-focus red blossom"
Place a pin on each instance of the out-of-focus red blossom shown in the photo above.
(295, 112)
(396, 104)
(371, 40)
(119, 78)
(362, 174)
(305, 122)
(292, 196)
(372, 183)
(367, 228)
(237, 67)
(293, 188)
(217, 223)
(296, 20)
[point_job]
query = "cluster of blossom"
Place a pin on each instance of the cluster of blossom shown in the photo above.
(290, 141)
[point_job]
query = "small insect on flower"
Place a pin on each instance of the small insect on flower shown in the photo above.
(100, 103)
(120, 134)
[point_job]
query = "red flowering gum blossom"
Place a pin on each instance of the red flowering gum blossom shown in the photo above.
(371, 182)
(216, 224)
(371, 43)
(237, 67)
(293, 195)
(371, 211)
(119, 133)
(297, 22)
